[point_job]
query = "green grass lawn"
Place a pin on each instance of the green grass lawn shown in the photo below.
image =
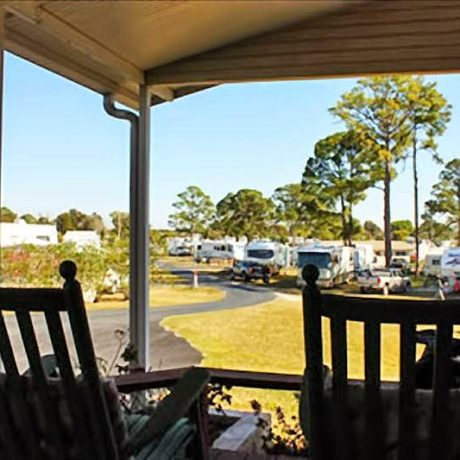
(161, 296)
(269, 338)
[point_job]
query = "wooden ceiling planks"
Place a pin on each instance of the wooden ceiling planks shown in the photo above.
(378, 37)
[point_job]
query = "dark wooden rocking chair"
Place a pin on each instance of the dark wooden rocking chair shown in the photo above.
(79, 417)
(370, 419)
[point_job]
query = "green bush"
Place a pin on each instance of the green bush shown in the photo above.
(38, 266)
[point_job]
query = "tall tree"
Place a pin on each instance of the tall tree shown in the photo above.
(245, 213)
(77, 220)
(341, 171)
(194, 212)
(29, 218)
(434, 230)
(290, 212)
(301, 210)
(372, 231)
(7, 215)
(402, 229)
(120, 222)
(429, 115)
(446, 196)
(376, 109)
(45, 220)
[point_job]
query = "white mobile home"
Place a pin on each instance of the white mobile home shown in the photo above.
(15, 233)
(82, 238)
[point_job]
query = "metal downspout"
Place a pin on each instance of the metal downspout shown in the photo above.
(109, 107)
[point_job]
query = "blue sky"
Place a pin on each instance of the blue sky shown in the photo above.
(62, 151)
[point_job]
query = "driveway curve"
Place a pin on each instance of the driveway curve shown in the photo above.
(166, 349)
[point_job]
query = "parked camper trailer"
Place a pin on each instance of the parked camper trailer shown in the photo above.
(450, 264)
(179, 246)
(363, 257)
(432, 265)
(269, 253)
(335, 263)
(219, 249)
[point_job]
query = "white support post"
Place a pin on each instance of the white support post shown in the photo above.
(139, 235)
(2, 46)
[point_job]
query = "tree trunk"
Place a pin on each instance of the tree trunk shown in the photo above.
(414, 169)
(344, 221)
(458, 217)
(350, 225)
(386, 213)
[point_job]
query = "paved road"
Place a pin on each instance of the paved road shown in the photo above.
(166, 350)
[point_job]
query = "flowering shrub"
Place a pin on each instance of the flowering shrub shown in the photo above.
(38, 266)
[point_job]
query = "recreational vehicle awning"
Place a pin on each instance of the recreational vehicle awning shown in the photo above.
(181, 47)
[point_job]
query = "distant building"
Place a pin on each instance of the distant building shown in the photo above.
(82, 238)
(15, 233)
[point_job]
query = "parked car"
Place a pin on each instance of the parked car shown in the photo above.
(181, 251)
(401, 264)
(248, 271)
(385, 280)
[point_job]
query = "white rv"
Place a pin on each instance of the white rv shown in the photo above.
(267, 252)
(335, 263)
(219, 249)
(180, 246)
(82, 238)
(432, 263)
(450, 263)
(363, 257)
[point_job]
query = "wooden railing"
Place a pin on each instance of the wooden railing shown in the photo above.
(144, 380)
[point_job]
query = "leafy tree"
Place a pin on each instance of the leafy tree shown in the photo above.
(77, 220)
(402, 229)
(372, 231)
(446, 196)
(341, 172)
(29, 218)
(194, 212)
(429, 114)
(377, 110)
(290, 206)
(7, 215)
(120, 222)
(433, 230)
(45, 220)
(245, 213)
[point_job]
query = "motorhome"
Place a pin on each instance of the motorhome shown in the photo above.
(268, 252)
(180, 246)
(363, 257)
(220, 249)
(335, 263)
(450, 263)
(432, 263)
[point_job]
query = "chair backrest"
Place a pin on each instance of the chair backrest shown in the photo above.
(33, 421)
(373, 312)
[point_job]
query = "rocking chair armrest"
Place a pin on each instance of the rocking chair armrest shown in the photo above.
(176, 405)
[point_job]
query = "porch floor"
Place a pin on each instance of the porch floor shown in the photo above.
(221, 455)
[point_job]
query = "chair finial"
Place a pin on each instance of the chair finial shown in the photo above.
(310, 274)
(68, 270)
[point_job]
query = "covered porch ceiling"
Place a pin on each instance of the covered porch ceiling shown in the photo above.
(180, 47)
